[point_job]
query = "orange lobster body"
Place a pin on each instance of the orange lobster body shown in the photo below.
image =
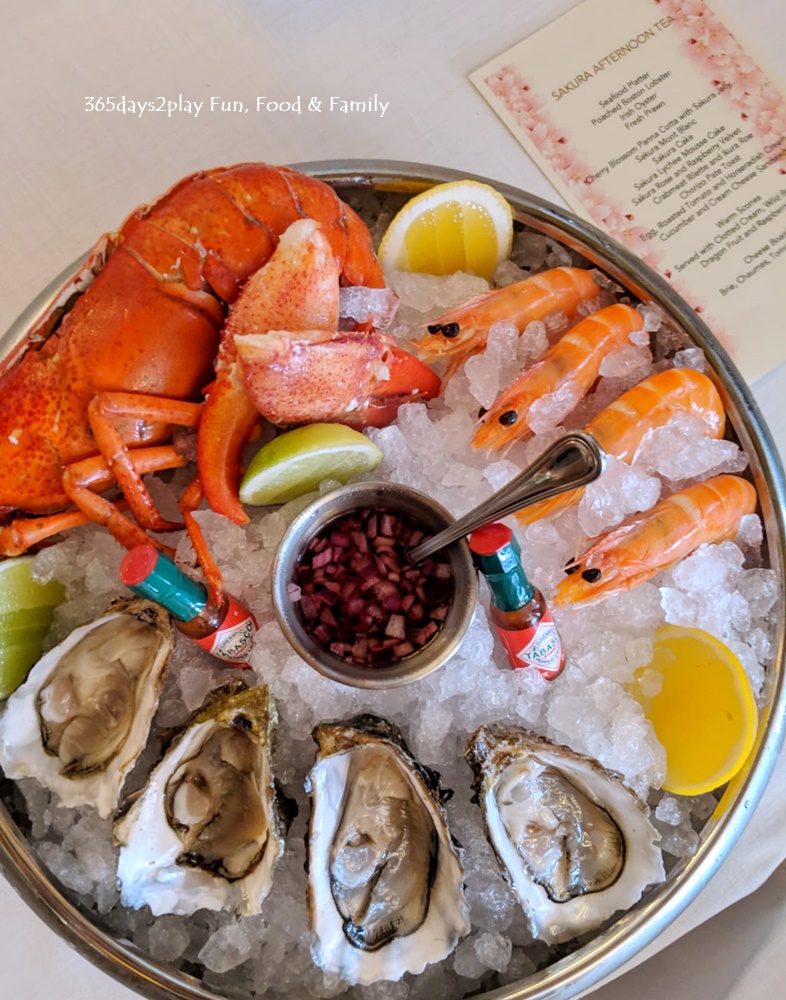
(160, 347)
(96, 402)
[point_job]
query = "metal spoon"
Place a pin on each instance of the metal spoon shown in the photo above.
(573, 461)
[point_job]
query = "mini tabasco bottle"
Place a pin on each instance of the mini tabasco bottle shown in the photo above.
(518, 609)
(227, 632)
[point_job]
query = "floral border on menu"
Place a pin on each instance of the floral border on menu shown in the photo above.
(528, 110)
(710, 44)
(707, 42)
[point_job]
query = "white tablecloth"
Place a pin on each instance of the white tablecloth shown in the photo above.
(69, 174)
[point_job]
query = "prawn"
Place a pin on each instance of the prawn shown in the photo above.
(463, 331)
(575, 358)
(627, 556)
(621, 427)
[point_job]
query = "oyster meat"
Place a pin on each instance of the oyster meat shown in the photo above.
(385, 892)
(82, 717)
(574, 842)
(207, 829)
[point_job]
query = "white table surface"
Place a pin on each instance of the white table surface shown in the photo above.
(68, 175)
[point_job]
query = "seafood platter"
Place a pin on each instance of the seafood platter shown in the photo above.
(206, 829)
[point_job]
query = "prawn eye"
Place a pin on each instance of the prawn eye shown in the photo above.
(482, 412)
(591, 575)
(508, 417)
(571, 567)
(448, 330)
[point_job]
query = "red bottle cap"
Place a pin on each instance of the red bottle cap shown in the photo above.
(489, 538)
(138, 564)
(149, 573)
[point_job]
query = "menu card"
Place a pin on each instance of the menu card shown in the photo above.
(655, 125)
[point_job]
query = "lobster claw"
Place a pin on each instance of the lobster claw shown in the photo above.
(282, 356)
(296, 288)
(356, 378)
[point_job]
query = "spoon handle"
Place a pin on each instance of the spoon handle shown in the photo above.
(572, 461)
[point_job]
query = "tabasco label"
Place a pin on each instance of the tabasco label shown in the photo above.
(234, 640)
(538, 646)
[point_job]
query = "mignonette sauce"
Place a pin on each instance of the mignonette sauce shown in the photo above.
(518, 610)
(226, 631)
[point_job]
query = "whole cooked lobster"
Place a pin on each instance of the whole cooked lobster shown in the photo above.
(94, 397)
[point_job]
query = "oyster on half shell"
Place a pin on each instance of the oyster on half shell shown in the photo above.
(82, 717)
(385, 893)
(207, 828)
(574, 842)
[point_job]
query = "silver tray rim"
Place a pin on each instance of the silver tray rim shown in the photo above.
(622, 941)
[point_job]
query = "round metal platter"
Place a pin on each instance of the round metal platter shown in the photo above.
(634, 930)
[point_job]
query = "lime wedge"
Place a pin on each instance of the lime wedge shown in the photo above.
(16, 659)
(297, 461)
(26, 612)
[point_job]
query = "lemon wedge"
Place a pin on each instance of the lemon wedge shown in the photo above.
(297, 461)
(458, 226)
(699, 700)
(26, 612)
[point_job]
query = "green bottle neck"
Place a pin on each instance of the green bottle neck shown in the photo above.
(184, 598)
(511, 590)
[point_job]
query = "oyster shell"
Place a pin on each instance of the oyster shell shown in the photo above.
(82, 717)
(385, 893)
(207, 829)
(574, 842)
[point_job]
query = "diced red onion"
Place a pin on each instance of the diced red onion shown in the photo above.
(356, 606)
(360, 540)
(360, 597)
(396, 627)
(308, 606)
(322, 558)
(326, 616)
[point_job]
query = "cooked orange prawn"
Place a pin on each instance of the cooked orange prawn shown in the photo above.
(621, 427)
(627, 556)
(576, 357)
(463, 331)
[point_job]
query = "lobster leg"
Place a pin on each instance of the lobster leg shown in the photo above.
(108, 407)
(22, 533)
(231, 420)
(189, 501)
(80, 479)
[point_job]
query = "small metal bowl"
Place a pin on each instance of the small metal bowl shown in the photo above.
(391, 496)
